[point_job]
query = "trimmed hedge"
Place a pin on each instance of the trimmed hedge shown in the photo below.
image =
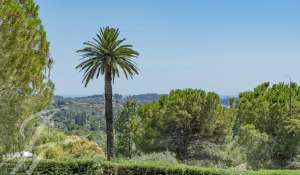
(91, 167)
(273, 172)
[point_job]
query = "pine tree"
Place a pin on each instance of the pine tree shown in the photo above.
(24, 58)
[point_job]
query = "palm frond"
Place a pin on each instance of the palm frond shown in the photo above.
(106, 52)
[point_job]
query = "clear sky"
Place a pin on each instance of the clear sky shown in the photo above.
(216, 45)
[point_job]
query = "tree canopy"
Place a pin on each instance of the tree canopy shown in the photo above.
(24, 56)
(183, 119)
(273, 111)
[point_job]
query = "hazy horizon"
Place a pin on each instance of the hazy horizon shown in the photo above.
(226, 47)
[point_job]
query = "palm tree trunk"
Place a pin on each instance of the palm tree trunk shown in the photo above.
(109, 115)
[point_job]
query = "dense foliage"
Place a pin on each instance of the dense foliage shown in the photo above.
(53, 144)
(84, 116)
(259, 129)
(185, 119)
(126, 129)
(269, 121)
(24, 60)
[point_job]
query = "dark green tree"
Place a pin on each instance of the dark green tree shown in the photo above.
(273, 111)
(126, 129)
(150, 138)
(182, 119)
(109, 56)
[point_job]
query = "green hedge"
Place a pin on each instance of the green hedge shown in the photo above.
(273, 172)
(91, 167)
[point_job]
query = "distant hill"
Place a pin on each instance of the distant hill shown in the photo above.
(99, 99)
(145, 98)
(117, 98)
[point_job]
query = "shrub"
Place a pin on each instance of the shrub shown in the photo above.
(294, 165)
(89, 167)
(256, 146)
(71, 147)
(50, 151)
(49, 136)
(77, 146)
(160, 157)
(214, 155)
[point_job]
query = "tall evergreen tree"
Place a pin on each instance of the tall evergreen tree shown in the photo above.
(24, 52)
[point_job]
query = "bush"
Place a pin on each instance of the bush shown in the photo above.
(49, 135)
(72, 147)
(256, 146)
(76, 146)
(89, 167)
(50, 151)
(166, 156)
(214, 155)
(294, 165)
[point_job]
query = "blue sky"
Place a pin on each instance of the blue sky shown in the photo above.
(222, 46)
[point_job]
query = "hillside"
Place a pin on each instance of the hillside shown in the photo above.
(86, 114)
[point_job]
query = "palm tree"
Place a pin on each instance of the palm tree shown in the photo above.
(107, 55)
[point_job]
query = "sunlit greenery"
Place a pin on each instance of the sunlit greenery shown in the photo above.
(187, 131)
(24, 59)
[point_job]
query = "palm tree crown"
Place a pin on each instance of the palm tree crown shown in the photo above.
(107, 53)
